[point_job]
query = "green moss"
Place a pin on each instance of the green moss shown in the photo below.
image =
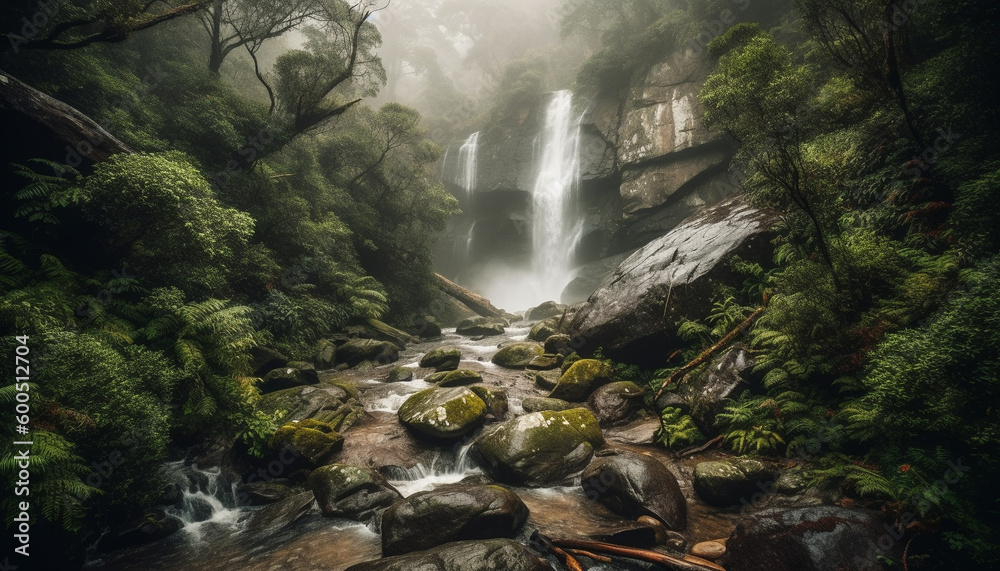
(517, 355)
(581, 379)
(311, 439)
(443, 412)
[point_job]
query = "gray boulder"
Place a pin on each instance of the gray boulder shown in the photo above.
(630, 315)
(446, 413)
(453, 513)
(351, 492)
(442, 359)
(540, 448)
(486, 326)
(709, 391)
(516, 355)
(734, 481)
(357, 351)
(635, 485)
(615, 403)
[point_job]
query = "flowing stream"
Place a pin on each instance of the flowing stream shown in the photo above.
(219, 535)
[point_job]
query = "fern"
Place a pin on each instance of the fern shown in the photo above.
(676, 429)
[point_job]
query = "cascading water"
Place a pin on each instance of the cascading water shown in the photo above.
(467, 156)
(204, 497)
(554, 216)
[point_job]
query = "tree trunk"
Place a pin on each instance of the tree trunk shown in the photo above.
(473, 301)
(84, 136)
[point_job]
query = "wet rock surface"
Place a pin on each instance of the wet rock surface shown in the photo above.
(636, 485)
(485, 555)
(734, 481)
(581, 379)
(443, 412)
(351, 492)
(453, 513)
(615, 403)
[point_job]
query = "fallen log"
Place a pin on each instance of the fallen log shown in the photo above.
(472, 300)
(84, 136)
(685, 563)
(725, 341)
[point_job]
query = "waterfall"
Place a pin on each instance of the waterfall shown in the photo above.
(554, 219)
(204, 497)
(467, 162)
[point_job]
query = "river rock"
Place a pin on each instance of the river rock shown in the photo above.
(453, 513)
(614, 403)
(544, 362)
(295, 374)
(544, 329)
(443, 412)
(325, 356)
(351, 492)
(457, 378)
(544, 311)
(635, 485)
(426, 327)
(400, 375)
(540, 448)
(442, 359)
(265, 360)
(496, 401)
(727, 482)
(482, 555)
(516, 355)
(385, 332)
(710, 550)
(709, 391)
(546, 379)
(155, 524)
(585, 375)
(626, 315)
(304, 402)
(356, 351)
(486, 326)
(281, 514)
(560, 344)
(540, 404)
(263, 493)
(810, 539)
(313, 441)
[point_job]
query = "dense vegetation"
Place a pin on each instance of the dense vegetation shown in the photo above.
(246, 216)
(875, 363)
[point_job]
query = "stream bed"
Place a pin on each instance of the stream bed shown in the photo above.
(219, 535)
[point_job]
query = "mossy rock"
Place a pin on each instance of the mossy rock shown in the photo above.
(442, 359)
(312, 440)
(539, 449)
(544, 329)
(325, 356)
(351, 492)
(569, 360)
(457, 378)
(400, 375)
(516, 355)
(548, 309)
(580, 379)
(294, 374)
(727, 482)
(540, 404)
(358, 351)
(544, 362)
(560, 344)
(614, 403)
(389, 333)
(300, 403)
(445, 413)
(496, 401)
(547, 380)
(485, 326)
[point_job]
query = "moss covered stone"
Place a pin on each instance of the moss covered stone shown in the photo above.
(544, 329)
(457, 378)
(726, 482)
(516, 355)
(580, 379)
(539, 449)
(351, 491)
(443, 412)
(312, 440)
(496, 401)
(442, 359)
(538, 404)
(399, 375)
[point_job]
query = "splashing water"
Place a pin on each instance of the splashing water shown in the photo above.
(467, 156)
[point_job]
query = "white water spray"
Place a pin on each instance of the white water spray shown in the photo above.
(554, 216)
(467, 157)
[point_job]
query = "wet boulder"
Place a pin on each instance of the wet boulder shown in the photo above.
(294, 374)
(442, 359)
(580, 379)
(426, 327)
(627, 313)
(540, 404)
(313, 441)
(400, 375)
(516, 355)
(546, 379)
(540, 448)
(263, 493)
(305, 402)
(635, 485)
(452, 513)
(265, 359)
(481, 555)
(560, 344)
(155, 524)
(544, 362)
(544, 329)
(351, 492)
(458, 378)
(615, 403)
(545, 310)
(496, 401)
(440, 412)
(325, 356)
(734, 481)
(485, 326)
(281, 514)
(357, 351)
(811, 539)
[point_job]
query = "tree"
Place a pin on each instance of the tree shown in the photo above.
(55, 25)
(231, 24)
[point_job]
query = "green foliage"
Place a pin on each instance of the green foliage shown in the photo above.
(676, 430)
(752, 424)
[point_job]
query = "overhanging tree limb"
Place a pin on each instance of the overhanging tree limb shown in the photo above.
(474, 301)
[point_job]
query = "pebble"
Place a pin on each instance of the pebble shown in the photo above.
(710, 550)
